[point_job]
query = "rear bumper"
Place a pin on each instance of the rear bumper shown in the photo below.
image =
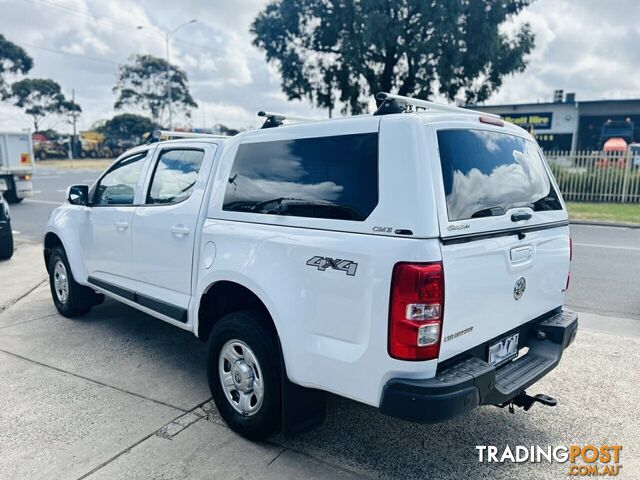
(471, 381)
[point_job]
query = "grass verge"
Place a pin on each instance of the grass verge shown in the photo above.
(605, 212)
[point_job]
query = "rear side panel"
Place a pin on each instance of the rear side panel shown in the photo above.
(328, 294)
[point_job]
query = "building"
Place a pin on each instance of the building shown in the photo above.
(568, 124)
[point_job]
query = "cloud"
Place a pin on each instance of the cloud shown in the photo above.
(589, 47)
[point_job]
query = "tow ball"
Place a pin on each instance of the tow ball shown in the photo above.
(525, 401)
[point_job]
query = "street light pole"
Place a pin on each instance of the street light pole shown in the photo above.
(167, 36)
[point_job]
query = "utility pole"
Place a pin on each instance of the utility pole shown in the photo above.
(74, 116)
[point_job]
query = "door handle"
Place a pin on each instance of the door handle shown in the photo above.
(180, 231)
(521, 254)
(516, 217)
(121, 225)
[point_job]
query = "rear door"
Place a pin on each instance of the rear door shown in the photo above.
(504, 231)
(164, 226)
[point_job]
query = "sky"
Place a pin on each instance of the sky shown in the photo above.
(585, 46)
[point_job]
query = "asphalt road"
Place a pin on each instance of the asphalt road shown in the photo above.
(119, 394)
(605, 274)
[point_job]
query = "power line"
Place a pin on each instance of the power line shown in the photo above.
(62, 52)
(100, 18)
(111, 21)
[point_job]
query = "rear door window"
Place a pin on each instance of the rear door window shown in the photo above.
(175, 176)
(486, 173)
(332, 177)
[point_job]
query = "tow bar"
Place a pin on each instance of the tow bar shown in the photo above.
(525, 401)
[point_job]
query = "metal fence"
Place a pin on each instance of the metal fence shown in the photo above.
(597, 176)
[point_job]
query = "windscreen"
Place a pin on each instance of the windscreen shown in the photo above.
(486, 173)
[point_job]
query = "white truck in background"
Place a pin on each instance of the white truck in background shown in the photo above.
(16, 165)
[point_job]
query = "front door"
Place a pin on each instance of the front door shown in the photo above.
(164, 227)
(106, 240)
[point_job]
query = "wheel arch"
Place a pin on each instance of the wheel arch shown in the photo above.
(54, 238)
(226, 296)
(51, 240)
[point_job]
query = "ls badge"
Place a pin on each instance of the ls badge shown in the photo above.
(519, 288)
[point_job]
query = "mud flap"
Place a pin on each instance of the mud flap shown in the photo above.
(303, 408)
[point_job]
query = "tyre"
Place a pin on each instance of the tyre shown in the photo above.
(70, 298)
(6, 246)
(11, 196)
(243, 368)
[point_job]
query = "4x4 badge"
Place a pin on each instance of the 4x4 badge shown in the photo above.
(322, 263)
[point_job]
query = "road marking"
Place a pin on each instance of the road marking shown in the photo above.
(31, 200)
(615, 247)
(16, 232)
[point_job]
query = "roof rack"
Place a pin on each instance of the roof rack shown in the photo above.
(277, 119)
(174, 134)
(157, 135)
(389, 103)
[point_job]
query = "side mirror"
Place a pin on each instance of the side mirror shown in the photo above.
(78, 195)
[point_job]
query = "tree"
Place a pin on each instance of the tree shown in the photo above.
(13, 60)
(41, 97)
(143, 82)
(127, 126)
(350, 49)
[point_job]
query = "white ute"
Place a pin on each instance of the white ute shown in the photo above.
(415, 260)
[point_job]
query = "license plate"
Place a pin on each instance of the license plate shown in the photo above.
(504, 350)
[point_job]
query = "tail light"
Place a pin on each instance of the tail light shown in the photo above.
(24, 177)
(417, 307)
